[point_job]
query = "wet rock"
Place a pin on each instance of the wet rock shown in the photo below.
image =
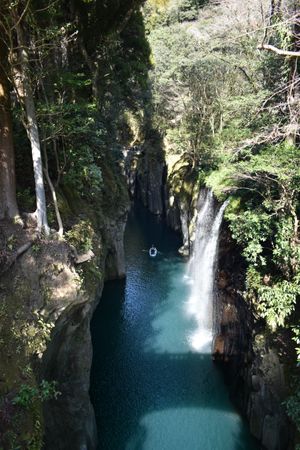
(257, 413)
(275, 435)
(255, 382)
(218, 348)
(184, 251)
(223, 279)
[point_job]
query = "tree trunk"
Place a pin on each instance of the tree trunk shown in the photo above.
(53, 193)
(94, 70)
(32, 131)
(288, 10)
(293, 97)
(8, 203)
(57, 213)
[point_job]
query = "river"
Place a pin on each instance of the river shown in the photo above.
(151, 387)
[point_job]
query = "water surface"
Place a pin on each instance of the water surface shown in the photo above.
(150, 388)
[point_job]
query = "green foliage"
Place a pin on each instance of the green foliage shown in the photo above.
(204, 90)
(83, 136)
(81, 236)
(220, 182)
(80, 111)
(84, 175)
(35, 333)
(276, 302)
(185, 10)
(28, 394)
(11, 242)
(296, 338)
(167, 12)
(286, 255)
(26, 199)
(293, 406)
(265, 188)
(251, 230)
(48, 390)
(36, 247)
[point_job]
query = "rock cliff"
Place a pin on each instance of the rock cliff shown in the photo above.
(166, 184)
(255, 365)
(48, 294)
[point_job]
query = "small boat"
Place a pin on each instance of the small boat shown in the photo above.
(152, 251)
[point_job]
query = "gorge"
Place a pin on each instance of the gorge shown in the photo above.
(153, 383)
(173, 122)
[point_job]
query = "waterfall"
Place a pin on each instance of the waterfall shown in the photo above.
(201, 271)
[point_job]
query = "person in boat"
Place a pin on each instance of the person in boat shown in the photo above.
(152, 251)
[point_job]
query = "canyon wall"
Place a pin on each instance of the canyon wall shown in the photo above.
(255, 364)
(48, 294)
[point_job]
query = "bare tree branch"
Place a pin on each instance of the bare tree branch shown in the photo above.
(278, 51)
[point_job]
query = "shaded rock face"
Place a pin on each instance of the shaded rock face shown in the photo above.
(115, 257)
(150, 179)
(69, 420)
(150, 184)
(267, 392)
(173, 211)
(253, 368)
(131, 158)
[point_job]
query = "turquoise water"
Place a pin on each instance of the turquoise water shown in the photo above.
(150, 390)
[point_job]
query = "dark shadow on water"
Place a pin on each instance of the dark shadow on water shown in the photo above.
(134, 381)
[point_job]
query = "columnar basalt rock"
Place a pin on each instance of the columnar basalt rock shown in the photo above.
(115, 258)
(161, 182)
(150, 184)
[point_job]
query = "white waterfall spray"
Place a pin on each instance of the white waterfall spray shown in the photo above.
(202, 271)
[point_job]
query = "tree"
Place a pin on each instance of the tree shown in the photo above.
(23, 85)
(8, 204)
(284, 31)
